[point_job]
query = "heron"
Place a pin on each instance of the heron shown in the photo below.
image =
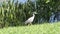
(30, 20)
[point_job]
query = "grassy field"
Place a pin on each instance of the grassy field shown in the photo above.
(46, 28)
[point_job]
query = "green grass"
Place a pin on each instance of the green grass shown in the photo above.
(45, 28)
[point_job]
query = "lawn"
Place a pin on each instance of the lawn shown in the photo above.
(46, 28)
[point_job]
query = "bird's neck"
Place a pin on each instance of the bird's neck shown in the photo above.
(34, 15)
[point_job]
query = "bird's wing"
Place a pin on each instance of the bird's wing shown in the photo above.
(30, 19)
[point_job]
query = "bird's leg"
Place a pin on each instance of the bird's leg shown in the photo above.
(30, 23)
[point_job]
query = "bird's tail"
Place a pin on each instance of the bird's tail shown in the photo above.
(25, 22)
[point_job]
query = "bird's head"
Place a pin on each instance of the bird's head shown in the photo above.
(35, 13)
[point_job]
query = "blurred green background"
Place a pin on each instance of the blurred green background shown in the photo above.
(13, 13)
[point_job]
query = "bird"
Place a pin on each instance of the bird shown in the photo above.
(30, 20)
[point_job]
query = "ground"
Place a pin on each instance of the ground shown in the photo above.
(46, 28)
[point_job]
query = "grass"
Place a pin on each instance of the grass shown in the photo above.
(46, 28)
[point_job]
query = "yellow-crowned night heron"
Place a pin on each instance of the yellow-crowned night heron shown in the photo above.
(30, 20)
